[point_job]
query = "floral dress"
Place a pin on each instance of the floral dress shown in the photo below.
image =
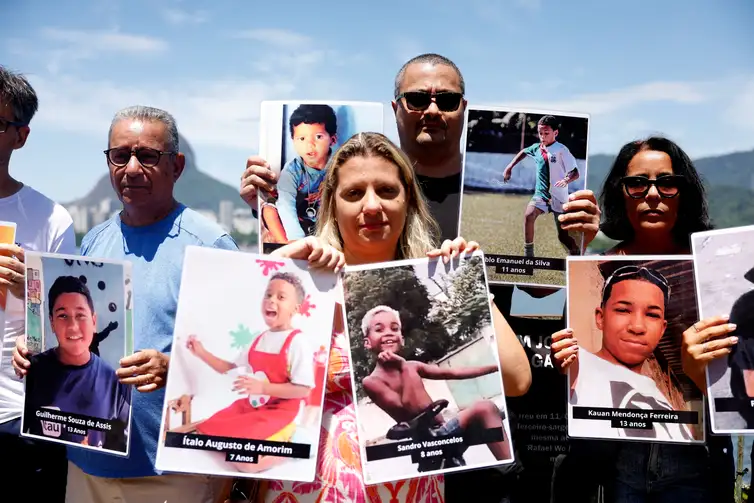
(339, 477)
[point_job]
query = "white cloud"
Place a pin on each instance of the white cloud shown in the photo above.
(105, 41)
(182, 17)
(276, 37)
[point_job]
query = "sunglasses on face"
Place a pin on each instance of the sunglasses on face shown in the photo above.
(4, 124)
(637, 187)
(148, 157)
(418, 101)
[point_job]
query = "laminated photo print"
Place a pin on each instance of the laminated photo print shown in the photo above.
(425, 368)
(297, 139)
(519, 167)
(724, 268)
(628, 316)
(78, 328)
(248, 367)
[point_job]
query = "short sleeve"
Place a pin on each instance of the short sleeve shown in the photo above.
(301, 362)
(286, 203)
(569, 161)
(531, 150)
(225, 242)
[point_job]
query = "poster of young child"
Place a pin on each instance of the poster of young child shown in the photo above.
(248, 368)
(628, 316)
(425, 368)
(78, 312)
(519, 168)
(297, 139)
(724, 270)
(7, 237)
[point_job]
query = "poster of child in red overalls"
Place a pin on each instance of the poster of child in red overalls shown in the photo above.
(248, 366)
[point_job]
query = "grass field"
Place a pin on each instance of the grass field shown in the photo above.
(496, 222)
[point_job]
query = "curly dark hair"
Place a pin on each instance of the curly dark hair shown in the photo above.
(292, 279)
(692, 212)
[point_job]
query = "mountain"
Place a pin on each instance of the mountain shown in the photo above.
(729, 180)
(194, 188)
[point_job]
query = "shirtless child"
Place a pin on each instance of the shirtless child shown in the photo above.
(395, 385)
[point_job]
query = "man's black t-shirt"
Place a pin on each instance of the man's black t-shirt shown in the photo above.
(444, 198)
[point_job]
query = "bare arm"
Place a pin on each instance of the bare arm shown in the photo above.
(518, 158)
(572, 175)
(382, 396)
(513, 360)
(286, 390)
(218, 364)
(428, 371)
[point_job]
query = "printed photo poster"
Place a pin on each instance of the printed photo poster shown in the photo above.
(426, 325)
(539, 418)
(297, 139)
(7, 237)
(248, 367)
(519, 168)
(628, 316)
(78, 323)
(724, 268)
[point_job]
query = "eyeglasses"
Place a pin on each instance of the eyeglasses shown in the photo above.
(637, 187)
(148, 157)
(634, 271)
(5, 123)
(418, 101)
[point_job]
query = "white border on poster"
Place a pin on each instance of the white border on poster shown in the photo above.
(303, 266)
(127, 273)
(526, 110)
(624, 258)
(696, 239)
(506, 422)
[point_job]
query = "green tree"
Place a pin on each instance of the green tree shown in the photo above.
(396, 287)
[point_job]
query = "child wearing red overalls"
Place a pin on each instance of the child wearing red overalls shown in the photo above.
(288, 365)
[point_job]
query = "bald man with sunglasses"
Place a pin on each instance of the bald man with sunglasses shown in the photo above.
(429, 108)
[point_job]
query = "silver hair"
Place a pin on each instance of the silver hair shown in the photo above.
(367, 319)
(17, 93)
(144, 113)
(432, 59)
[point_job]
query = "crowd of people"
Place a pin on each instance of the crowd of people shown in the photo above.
(380, 202)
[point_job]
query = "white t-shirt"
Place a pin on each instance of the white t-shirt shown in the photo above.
(604, 384)
(562, 162)
(41, 225)
(300, 355)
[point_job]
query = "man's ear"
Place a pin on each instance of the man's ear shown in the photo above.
(599, 317)
(394, 104)
(555, 133)
(22, 133)
(94, 320)
(367, 343)
(333, 140)
(179, 164)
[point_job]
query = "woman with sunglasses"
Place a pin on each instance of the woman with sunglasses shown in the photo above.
(651, 202)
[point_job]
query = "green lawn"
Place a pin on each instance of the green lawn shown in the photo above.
(496, 222)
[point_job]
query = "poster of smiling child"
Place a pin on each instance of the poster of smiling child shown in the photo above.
(425, 367)
(78, 324)
(297, 139)
(626, 381)
(248, 367)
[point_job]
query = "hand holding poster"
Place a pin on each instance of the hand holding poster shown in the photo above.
(248, 367)
(724, 269)
(7, 237)
(627, 382)
(425, 368)
(297, 139)
(77, 322)
(519, 167)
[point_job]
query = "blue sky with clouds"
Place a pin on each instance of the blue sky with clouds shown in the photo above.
(681, 67)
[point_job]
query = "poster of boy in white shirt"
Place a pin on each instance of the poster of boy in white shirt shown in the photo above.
(628, 388)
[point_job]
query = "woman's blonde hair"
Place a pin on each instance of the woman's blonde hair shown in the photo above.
(420, 230)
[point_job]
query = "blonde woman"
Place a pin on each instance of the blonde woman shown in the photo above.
(372, 211)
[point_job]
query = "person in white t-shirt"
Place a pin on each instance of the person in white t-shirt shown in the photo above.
(631, 317)
(41, 225)
(556, 168)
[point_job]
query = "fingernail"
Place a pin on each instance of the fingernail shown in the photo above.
(731, 326)
(561, 217)
(734, 340)
(571, 197)
(569, 330)
(726, 317)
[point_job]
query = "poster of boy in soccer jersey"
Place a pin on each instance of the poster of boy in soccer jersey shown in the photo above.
(519, 168)
(78, 328)
(297, 139)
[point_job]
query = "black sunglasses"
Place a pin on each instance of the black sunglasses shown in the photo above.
(148, 157)
(5, 123)
(637, 187)
(418, 101)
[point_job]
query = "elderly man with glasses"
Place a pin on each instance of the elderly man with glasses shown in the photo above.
(152, 231)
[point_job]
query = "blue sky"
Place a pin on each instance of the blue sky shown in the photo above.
(683, 68)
